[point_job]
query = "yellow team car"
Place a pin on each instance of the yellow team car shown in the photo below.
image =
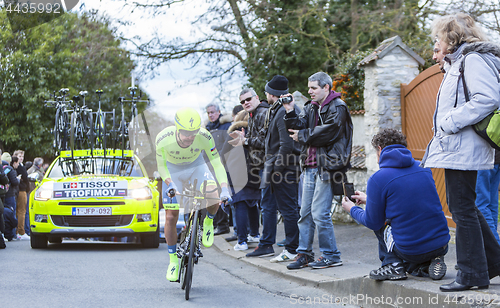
(95, 194)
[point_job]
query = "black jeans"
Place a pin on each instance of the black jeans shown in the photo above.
(285, 188)
(410, 262)
(282, 195)
(478, 252)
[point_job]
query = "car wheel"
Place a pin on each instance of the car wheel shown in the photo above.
(151, 240)
(38, 240)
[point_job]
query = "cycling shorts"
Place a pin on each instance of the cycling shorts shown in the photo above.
(183, 175)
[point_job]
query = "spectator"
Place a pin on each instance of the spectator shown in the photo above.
(459, 150)
(236, 109)
(22, 196)
(4, 181)
(27, 166)
(245, 186)
(280, 178)
(37, 167)
(253, 140)
(217, 126)
(487, 194)
(324, 129)
(438, 56)
(45, 166)
(10, 199)
(401, 198)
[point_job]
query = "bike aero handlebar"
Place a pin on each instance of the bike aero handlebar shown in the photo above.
(172, 193)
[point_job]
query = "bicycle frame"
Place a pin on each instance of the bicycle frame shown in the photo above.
(189, 249)
(62, 125)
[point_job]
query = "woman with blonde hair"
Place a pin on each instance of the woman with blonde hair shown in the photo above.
(458, 149)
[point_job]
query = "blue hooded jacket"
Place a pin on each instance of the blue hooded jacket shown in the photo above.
(405, 194)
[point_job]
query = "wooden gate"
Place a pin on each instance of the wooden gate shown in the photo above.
(418, 102)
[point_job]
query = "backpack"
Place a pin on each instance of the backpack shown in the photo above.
(4, 180)
(489, 127)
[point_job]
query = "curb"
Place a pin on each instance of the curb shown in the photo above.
(351, 286)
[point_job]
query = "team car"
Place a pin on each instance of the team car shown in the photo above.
(92, 194)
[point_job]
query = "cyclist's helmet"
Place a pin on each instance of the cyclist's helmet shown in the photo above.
(187, 120)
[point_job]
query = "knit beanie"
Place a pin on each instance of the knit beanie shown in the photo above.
(6, 156)
(277, 86)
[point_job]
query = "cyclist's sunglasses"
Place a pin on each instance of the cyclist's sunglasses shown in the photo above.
(187, 133)
(247, 99)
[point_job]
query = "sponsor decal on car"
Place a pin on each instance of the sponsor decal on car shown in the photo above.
(93, 188)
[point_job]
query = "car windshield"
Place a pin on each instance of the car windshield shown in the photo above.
(95, 166)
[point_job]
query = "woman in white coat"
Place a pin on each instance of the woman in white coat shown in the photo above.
(459, 150)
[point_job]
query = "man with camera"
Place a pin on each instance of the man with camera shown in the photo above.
(280, 178)
(324, 130)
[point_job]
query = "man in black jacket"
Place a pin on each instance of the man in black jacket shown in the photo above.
(324, 129)
(253, 138)
(22, 196)
(280, 178)
(9, 164)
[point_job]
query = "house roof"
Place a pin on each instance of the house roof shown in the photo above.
(386, 46)
(358, 157)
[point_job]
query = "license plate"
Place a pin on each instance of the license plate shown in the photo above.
(82, 211)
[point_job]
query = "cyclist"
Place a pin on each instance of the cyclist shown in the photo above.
(179, 159)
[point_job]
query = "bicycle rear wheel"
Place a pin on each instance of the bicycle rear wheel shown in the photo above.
(57, 132)
(193, 246)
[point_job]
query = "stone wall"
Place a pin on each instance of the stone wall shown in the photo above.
(382, 100)
(383, 96)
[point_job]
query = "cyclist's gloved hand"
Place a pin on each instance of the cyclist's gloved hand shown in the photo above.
(170, 187)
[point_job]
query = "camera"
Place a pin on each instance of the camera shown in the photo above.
(285, 100)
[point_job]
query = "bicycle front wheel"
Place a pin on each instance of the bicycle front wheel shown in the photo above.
(193, 246)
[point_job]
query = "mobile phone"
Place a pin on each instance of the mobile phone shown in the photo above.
(349, 191)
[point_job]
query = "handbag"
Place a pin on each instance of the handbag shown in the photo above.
(489, 127)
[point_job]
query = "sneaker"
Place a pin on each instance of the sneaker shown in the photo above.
(389, 272)
(253, 239)
(173, 271)
(282, 243)
(24, 237)
(437, 269)
(283, 257)
(242, 246)
(301, 260)
(262, 251)
(208, 232)
(323, 262)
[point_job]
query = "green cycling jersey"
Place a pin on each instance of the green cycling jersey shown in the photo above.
(168, 150)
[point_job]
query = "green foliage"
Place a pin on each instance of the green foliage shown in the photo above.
(292, 42)
(79, 53)
(349, 80)
(299, 38)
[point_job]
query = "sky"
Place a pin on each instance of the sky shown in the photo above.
(167, 88)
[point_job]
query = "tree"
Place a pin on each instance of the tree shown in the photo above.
(293, 38)
(76, 52)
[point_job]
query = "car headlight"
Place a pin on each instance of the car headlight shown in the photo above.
(45, 191)
(140, 193)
